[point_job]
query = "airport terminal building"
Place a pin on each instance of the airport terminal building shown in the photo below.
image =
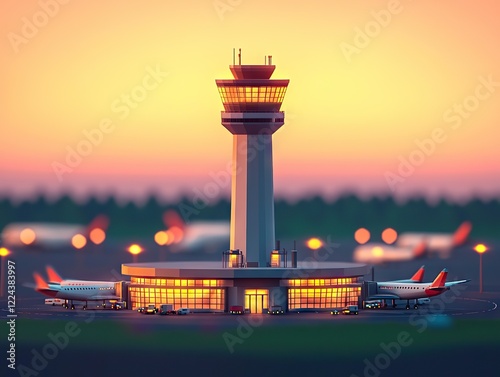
(209, 287)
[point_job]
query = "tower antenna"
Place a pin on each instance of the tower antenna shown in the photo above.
(239, 57)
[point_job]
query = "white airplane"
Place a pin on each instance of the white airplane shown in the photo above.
(75, 290)
(412, 246)
(374, 253)
(208, 235)
(53, 235)
(400, 290)
(441, 243)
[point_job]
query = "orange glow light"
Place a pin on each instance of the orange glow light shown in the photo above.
(4, 252)
(135, 249)
(97, 236)
(78, 241)
(314, 243)
(389, 236)
(161, 238)
(480, 248)
(27, 236)
(362, 236)
(177, 234)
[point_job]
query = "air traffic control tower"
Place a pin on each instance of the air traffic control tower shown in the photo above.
(252, 102)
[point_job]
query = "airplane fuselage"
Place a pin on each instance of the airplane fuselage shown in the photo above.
(408, 291)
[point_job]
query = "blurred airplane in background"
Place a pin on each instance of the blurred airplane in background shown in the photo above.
(54, 235)
(409, 246)
(182, 237)
(440, 243)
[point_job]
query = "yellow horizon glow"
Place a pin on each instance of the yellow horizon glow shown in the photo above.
(132, 88)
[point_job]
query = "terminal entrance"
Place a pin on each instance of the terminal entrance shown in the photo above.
(256, 300)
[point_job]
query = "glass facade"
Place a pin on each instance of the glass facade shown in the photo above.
(203, 295)
(322, 293)
(262, 94)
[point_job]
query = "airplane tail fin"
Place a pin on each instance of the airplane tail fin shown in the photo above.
(172, 219)
(101, 222)
(462, 233)
(53, 275)
(440, 280)
(419, 275)
(420, 250)
(175, 227)
(40, 283)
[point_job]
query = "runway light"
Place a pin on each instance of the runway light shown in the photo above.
(362, 236)
(161, 238)
(97, 236)
(4, 252)
(377, 251)
(135, 249)
(27, 236)
(389, 236)
(314, 243)
(78, 241)
(480, 248)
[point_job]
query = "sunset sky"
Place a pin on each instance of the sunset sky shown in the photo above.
(368, 81)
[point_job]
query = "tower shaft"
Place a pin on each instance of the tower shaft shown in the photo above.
(252, 202)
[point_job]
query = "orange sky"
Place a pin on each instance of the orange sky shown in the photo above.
(355, 106)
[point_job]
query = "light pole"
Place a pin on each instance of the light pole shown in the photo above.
(480, 249)
(135, 250)
(3, 253)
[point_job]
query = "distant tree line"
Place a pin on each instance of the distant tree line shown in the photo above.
(310, 216)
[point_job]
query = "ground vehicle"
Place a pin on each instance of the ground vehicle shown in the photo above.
(275, 309)
(183, 311)
(141, 309)
(373, 304)
(236, 309)
(117, 305)
(334, 312)
(351, 309)
(150, 309)
(166, 309)
(54, 301)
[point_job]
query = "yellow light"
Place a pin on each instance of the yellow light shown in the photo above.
(78, 241)
(161, 238)
(4, 252)
(389, 236)
(480, 248)
(27, 236)
(362, 236)
(314, 243)
(97, 236)
(377, 251)
(135, 249)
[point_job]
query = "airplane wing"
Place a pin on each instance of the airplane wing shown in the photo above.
(384, 296)
(450, 283)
